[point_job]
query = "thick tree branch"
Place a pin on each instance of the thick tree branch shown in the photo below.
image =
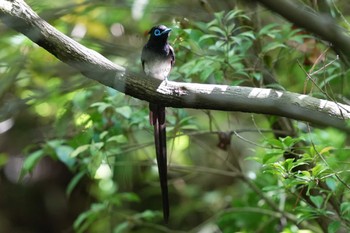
(322, 25)
(18, 15)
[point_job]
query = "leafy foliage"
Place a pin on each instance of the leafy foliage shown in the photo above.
(229, 172)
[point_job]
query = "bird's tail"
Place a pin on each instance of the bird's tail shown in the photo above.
(157, 119)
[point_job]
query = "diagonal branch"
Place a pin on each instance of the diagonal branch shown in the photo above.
(17, 15)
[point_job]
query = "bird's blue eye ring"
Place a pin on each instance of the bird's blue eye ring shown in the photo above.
(157, 32)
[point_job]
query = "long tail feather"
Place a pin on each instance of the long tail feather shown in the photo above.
(157, 119)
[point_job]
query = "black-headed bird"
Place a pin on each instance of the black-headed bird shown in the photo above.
(157, 60)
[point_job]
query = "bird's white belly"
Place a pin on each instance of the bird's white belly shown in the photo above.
(158, 69)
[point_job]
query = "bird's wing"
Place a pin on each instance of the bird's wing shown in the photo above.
(172, 54)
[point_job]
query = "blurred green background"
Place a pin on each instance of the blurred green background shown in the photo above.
(76, 156)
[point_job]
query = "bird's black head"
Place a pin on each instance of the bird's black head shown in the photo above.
(159, 33)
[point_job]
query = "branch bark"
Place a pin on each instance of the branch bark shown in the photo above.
(17, 15)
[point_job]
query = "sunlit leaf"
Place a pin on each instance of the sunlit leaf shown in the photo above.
(118, 139)
(64, 155)
(124, 111)
(326, 150)
(79, 150)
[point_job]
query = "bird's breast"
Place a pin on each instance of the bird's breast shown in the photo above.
(158, 69)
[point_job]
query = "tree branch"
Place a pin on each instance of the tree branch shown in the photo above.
(18, 15)
(322, 25)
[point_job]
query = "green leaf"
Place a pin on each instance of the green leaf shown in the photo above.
(306, 213)
(271, 157)
(208, 36)
(103, 134)
(233, 14)
(130, 197)
(248, 34)
(218, 30)
(148, 215)
(319, 169)
(272, 46)
(118, 138)
(289, 141)
(96, 146)
(326, 150)
(32, 159)
(3, 159)
(79, 150)
(256, 75)
(55, 143)
(331, 183)
(125, 111)
(237, 82)
(317, 200)
(267, 29)
(85, 219)
(101, 106)
(207, 71)
(64, 155)
(73, 183)
(272, 188)
(333, 227)
(122, 227)
(218, 16)
(275, 143)
(195, 47)
(345, 208)
(296, 164)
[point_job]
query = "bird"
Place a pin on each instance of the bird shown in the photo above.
(157, 60)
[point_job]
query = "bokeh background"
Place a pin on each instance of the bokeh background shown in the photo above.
(76, 156)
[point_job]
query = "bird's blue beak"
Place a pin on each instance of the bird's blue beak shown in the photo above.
(166, 31)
